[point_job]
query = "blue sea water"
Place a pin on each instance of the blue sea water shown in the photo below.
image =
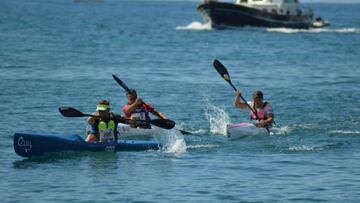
(56, 53)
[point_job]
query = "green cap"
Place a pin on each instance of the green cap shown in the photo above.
(102, 107)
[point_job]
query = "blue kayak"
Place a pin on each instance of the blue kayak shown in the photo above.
(27, 144)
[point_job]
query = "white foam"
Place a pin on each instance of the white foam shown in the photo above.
(195, 26)
(314, 30)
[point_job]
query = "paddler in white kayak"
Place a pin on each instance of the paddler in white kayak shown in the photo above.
(136, 109)
(262, 108)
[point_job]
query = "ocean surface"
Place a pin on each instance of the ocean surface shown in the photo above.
(62, 53)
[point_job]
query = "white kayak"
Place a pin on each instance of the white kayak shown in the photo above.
(127, 131)
(239, 130)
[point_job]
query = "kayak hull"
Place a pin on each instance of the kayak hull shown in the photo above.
(125, 131)
(28, 144)
(239, 130)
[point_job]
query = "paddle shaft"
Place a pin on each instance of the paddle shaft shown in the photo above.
(72, 112)
(251, 109)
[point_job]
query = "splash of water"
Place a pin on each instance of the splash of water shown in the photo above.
(172, 141)
(195, 26)
(217, 118)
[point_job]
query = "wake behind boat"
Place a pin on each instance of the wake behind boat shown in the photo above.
(29, 144)
(259, 13)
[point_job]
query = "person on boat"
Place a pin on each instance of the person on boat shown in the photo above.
(138, 111)
(264, 111)
(104, 124)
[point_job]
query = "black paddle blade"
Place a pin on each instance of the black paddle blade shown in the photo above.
(121, 83)
(220, 68)
(163, 123)
(185, 132)
(70, 112)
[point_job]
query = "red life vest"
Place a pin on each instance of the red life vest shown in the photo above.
(141, 113)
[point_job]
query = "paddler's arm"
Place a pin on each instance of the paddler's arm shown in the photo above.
(158, 114)
(154, 111)
(238, 103)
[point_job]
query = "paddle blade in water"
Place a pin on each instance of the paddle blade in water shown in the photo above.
(70, 112)
(163, 123)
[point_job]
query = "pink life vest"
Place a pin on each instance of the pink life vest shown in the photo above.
(262, 112)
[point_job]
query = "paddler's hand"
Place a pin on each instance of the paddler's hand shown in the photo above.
(139, 102)
(262, 124)
(238, 93)
(91, 120)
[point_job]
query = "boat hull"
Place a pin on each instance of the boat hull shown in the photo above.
(28, 145)
(239, 130)
(222, 14)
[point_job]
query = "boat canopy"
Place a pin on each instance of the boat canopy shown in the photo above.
(284, 7)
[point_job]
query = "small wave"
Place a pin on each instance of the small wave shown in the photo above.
(302, 148)
(345, 132)
(202, 146)
(314, 30)
(195, 26)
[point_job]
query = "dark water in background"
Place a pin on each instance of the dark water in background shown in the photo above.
(55, 53)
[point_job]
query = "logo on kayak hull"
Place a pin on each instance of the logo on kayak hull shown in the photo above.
(25, 144)
(110, 148)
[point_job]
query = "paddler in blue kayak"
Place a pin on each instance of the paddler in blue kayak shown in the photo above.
(263, 109)
(103, 125)
(136, 110)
